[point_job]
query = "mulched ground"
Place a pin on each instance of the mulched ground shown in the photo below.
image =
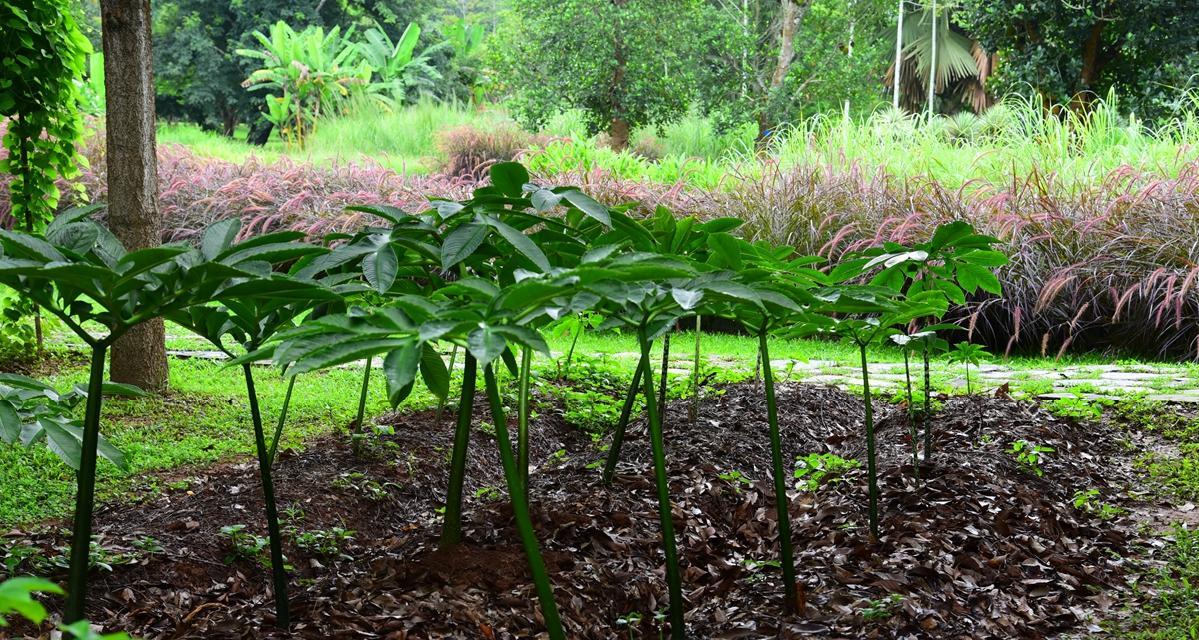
(982, 548)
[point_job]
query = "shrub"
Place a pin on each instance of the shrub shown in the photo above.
(469, 150)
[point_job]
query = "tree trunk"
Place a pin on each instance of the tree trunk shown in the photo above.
(618, 134)
(898, 67)
(138, 357)
(790, 13)
(1092, 64)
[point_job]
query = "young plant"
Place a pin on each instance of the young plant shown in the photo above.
(33, 411)
(79, 272)
(926, 340)
(1030, 455)
(250, 311)
(871, 314)
(967, 354)
(955, 261)
(772, 289)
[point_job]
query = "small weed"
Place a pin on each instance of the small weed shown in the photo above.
(1087, 501)
(882, 608)
(1030, 455)
(359, 483)
(737, 479)
(319, 542)
(755, 566)
(1077, 408)
(816, 469)
(246, 546)
(489, 494)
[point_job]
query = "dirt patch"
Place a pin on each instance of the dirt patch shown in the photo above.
(981, 546)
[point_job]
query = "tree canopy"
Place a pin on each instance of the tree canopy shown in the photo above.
(624, 64)
(1066, 52)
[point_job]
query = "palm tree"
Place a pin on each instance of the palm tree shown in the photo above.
(938, 59)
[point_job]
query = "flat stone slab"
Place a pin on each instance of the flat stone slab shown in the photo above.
(1071, 396)
(1130, 375)
(1177, 398)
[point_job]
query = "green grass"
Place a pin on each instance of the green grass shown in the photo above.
(403, 140)
(1014, 138)
(201, 421)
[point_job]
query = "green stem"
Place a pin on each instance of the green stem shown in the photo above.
(81, 535)
(570, 354)
(366, 382)
(291, 384)
(665, 379)
(522, 423)
(520, 510)
(626, 413)
(927, 417)
(674, 580)
(695, 374)
(907, 376)
(871, 468)
(441, 403)
(275, 536)
(781, 502)
(451, 531)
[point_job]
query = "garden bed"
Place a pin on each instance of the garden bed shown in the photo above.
(985, 546)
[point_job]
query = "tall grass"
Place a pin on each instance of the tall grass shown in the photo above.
(1016, 139)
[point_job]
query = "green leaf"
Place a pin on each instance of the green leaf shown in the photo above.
(219, 237)
(509, 177)
(16, 596)
(486, 344)
(973, 277)
(31, 247)
(380, 268)
(728, 249)
(10, 422)
(461, 243)
(521, 243)
(687, 298)
(584, 203)
(400, 367)
(524, 336)
(434, 372)
(63, 443)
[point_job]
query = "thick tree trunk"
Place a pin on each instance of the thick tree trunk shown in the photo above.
(139, 357)
(791, 14)
(618, 134)
(1092, 65)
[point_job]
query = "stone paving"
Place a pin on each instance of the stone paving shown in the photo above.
(1160, 382)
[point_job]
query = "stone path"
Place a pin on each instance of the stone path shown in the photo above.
(1159, 382)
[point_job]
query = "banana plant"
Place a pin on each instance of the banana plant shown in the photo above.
(247, 313)
(79, 272)
(32, 411)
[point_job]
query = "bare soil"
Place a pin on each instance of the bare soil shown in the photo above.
(980, 546)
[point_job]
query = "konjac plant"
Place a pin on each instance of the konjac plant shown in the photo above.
(247, 312)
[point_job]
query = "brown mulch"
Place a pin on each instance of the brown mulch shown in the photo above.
(981, 548)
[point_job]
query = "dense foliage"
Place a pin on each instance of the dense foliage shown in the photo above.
(39, 66)
(486, 275)
(625, 64)
(1143, 50)
(197, 70)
